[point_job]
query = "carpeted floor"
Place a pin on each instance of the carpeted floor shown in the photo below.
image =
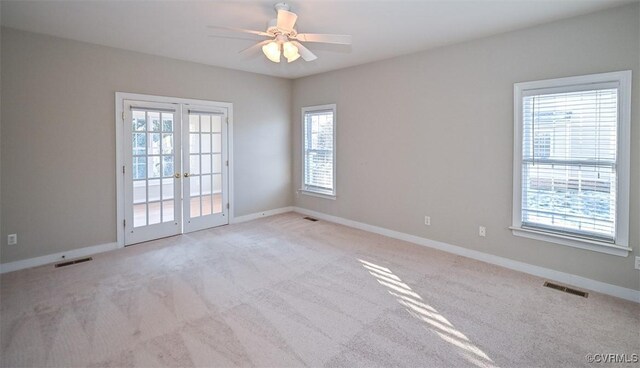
(283, 291)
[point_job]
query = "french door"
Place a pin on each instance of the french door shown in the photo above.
(175, 169)
(205, 165)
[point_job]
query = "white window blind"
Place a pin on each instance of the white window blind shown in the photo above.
(319, 155)
(569, 161)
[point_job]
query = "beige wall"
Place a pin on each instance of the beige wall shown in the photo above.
(58, 136)
(424, 134)
(432, 134)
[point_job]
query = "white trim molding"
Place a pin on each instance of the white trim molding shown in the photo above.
(620, 80)
(563, 277)
(57, 257)
(600, 247)
(257, 215)
(309, 190)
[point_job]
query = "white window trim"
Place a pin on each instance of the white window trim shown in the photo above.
(621, 245)
(303, 189)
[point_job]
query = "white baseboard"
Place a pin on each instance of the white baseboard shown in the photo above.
(56, 257)
(563, 277)
(253, 216)
(88, 251)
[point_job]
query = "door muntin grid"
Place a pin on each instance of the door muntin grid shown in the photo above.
(205, 146)
(153, 166)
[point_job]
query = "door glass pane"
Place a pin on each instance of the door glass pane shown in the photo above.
(217, 183)
(194, 123)
(154, 118)
(216, 123)
(167, 143)
(139, 144)
(167, 122)
(167, 211)
(154, 213)
(195, 206)
(154, 190)
(217, 163)
(194, 185)
(205, 123)
(167, 166)
(139, 167)
(206, 205)
(205, 141)
(217, 203)
(154, 143)
(154, 166)
(139, 191)
(206, 164)
(194, 143)
(206, 184)
(139, 215)
(139, 121)
(167, 189)
(216, 143)
(194, 164)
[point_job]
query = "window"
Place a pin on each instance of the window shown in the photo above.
(571, 164)
(318, 136)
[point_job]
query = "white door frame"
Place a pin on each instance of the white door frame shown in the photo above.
(119, 121)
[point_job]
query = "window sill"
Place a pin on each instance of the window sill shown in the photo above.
(317, 194)
(593, 245)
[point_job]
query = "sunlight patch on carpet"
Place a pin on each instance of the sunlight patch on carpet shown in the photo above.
(435, 322)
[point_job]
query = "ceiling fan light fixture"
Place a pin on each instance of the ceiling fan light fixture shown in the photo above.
(272, 51)
(293, 58)
(283, 37)
(290, 51)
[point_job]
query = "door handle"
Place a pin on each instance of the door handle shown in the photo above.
(186, 175)
(176, 175)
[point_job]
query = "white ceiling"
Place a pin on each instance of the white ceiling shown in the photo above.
(380, 29)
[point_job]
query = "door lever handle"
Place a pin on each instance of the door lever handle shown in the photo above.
(186, 175)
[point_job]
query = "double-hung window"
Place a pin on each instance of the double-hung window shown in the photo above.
(318, 141)
(571, 164)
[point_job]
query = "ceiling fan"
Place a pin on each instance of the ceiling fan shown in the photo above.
(284, 38)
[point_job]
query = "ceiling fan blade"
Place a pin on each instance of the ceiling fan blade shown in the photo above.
(286, 20)
(304, 52)
(257, 33)
(240, 37)
(252, 49)
(324, 38)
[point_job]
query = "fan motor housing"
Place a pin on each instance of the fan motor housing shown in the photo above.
(282, 6)
(272, 29)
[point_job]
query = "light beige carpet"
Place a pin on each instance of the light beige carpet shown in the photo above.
(283, 291)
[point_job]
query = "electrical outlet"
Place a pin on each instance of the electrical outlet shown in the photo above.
(637, 263)
(12, 239)
(482, 231)
(427, 220)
